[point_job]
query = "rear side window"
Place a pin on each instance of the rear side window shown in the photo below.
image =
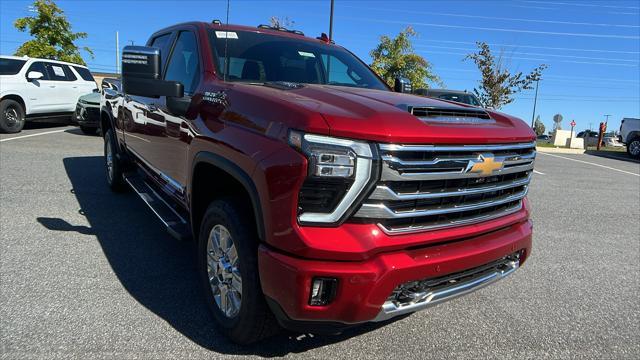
(39, 67)
(11, 66)
(59, 72)
(84, 73)
(162, 42)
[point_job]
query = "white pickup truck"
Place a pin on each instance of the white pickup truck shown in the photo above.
(630, 136)
(32, 88)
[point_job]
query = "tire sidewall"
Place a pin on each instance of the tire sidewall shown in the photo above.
(4, 104)
(228, 214)
(634, 140)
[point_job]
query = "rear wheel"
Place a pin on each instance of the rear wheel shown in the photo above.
(228, 266)
(633, 147)
(11, 116)
(88, 130)
(113, 165)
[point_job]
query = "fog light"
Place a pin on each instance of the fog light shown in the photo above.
(323, 291)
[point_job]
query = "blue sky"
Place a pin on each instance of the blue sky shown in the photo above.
(592, 47)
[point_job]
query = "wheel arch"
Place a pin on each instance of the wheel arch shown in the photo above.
(18, 99)
(210, 166)
(632, 135)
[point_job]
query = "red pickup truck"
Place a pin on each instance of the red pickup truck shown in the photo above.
(318, 197)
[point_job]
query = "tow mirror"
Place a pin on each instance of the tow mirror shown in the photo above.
(34, 75)
(141, 74)
(402, 85)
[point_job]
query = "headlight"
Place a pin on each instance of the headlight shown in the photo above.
(339, 171)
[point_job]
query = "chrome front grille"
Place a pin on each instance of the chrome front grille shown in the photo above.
(430, 187)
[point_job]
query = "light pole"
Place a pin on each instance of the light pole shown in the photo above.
(331, 23)
(535, 101)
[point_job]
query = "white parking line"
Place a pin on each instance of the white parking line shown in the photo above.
(31, 135)
(590, 163)
(538, 172)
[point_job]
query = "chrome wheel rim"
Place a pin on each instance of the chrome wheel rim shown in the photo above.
(224, 271)
(109, 160)
(11, 114)
(634, 148)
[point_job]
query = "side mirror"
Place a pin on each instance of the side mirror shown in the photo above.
(402, 85)
(34, 75)
(141, 74)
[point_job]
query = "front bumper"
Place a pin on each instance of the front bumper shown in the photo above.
(87, 115)
(364, 287)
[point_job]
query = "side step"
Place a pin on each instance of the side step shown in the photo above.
(176, 224)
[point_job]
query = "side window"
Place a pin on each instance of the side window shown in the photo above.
(39, 67)
(184, 65)
(338, 72)
(162, 42)
(59, 72)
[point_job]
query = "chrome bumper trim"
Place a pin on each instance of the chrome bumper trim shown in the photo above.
(390, 309)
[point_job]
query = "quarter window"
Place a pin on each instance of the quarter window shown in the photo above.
(184, 65)
(84, 73)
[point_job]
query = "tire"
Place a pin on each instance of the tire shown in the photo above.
(633, 147)
(11, 116)
(113, 165)
(88, 130)
(252, 319)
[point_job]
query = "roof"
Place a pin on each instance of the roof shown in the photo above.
(233, 27)
(30, 58)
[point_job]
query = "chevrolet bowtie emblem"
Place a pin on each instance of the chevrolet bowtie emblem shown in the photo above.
(486, 164)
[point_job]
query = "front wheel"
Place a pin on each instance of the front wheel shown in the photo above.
(633, 147)
(113, 165)
(228, 266)
(11, 116)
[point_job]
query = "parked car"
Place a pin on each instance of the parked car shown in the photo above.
(311, 195)
(451, 95)
(37, 89)
(630, 135)
(611, 141)
(590, 137)
(88, 113)
(543, 138)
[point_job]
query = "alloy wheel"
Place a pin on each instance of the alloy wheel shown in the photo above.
(224, 271)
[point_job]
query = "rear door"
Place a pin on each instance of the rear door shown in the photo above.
(61, 87)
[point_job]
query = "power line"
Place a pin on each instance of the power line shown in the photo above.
(592, 35)
(537, 47)
(528, 53)
(580, 4)
(497, 17)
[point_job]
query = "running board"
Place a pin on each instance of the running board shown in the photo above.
(176, 225)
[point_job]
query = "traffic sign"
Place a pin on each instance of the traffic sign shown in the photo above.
(573, 123)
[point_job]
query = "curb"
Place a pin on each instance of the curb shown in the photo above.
(558, 150)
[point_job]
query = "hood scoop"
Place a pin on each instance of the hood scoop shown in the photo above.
(451, 115)
(283, 85)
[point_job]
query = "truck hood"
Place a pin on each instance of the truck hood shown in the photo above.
(383, 116)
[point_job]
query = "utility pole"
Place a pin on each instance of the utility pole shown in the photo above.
(331, 23)
(117, 53)
(535, 101)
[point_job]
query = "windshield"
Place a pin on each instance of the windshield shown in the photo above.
(259, 58)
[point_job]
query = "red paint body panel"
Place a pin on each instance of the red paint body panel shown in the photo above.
(364, 286)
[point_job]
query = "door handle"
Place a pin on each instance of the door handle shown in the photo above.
(52, 86)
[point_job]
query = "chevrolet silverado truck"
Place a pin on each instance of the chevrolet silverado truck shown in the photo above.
(318, 198)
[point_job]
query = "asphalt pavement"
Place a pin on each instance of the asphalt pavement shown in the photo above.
(87, 274)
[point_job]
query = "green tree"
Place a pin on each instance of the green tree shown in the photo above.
(394, 57)
(52, 35)
(498, 85)
(278, 22)
(538, 126)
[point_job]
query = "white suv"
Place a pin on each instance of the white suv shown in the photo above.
(33, 88)
(630, 135)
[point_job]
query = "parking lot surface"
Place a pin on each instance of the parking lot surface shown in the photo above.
(85, 273)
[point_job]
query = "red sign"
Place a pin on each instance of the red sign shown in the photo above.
(573, 123)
